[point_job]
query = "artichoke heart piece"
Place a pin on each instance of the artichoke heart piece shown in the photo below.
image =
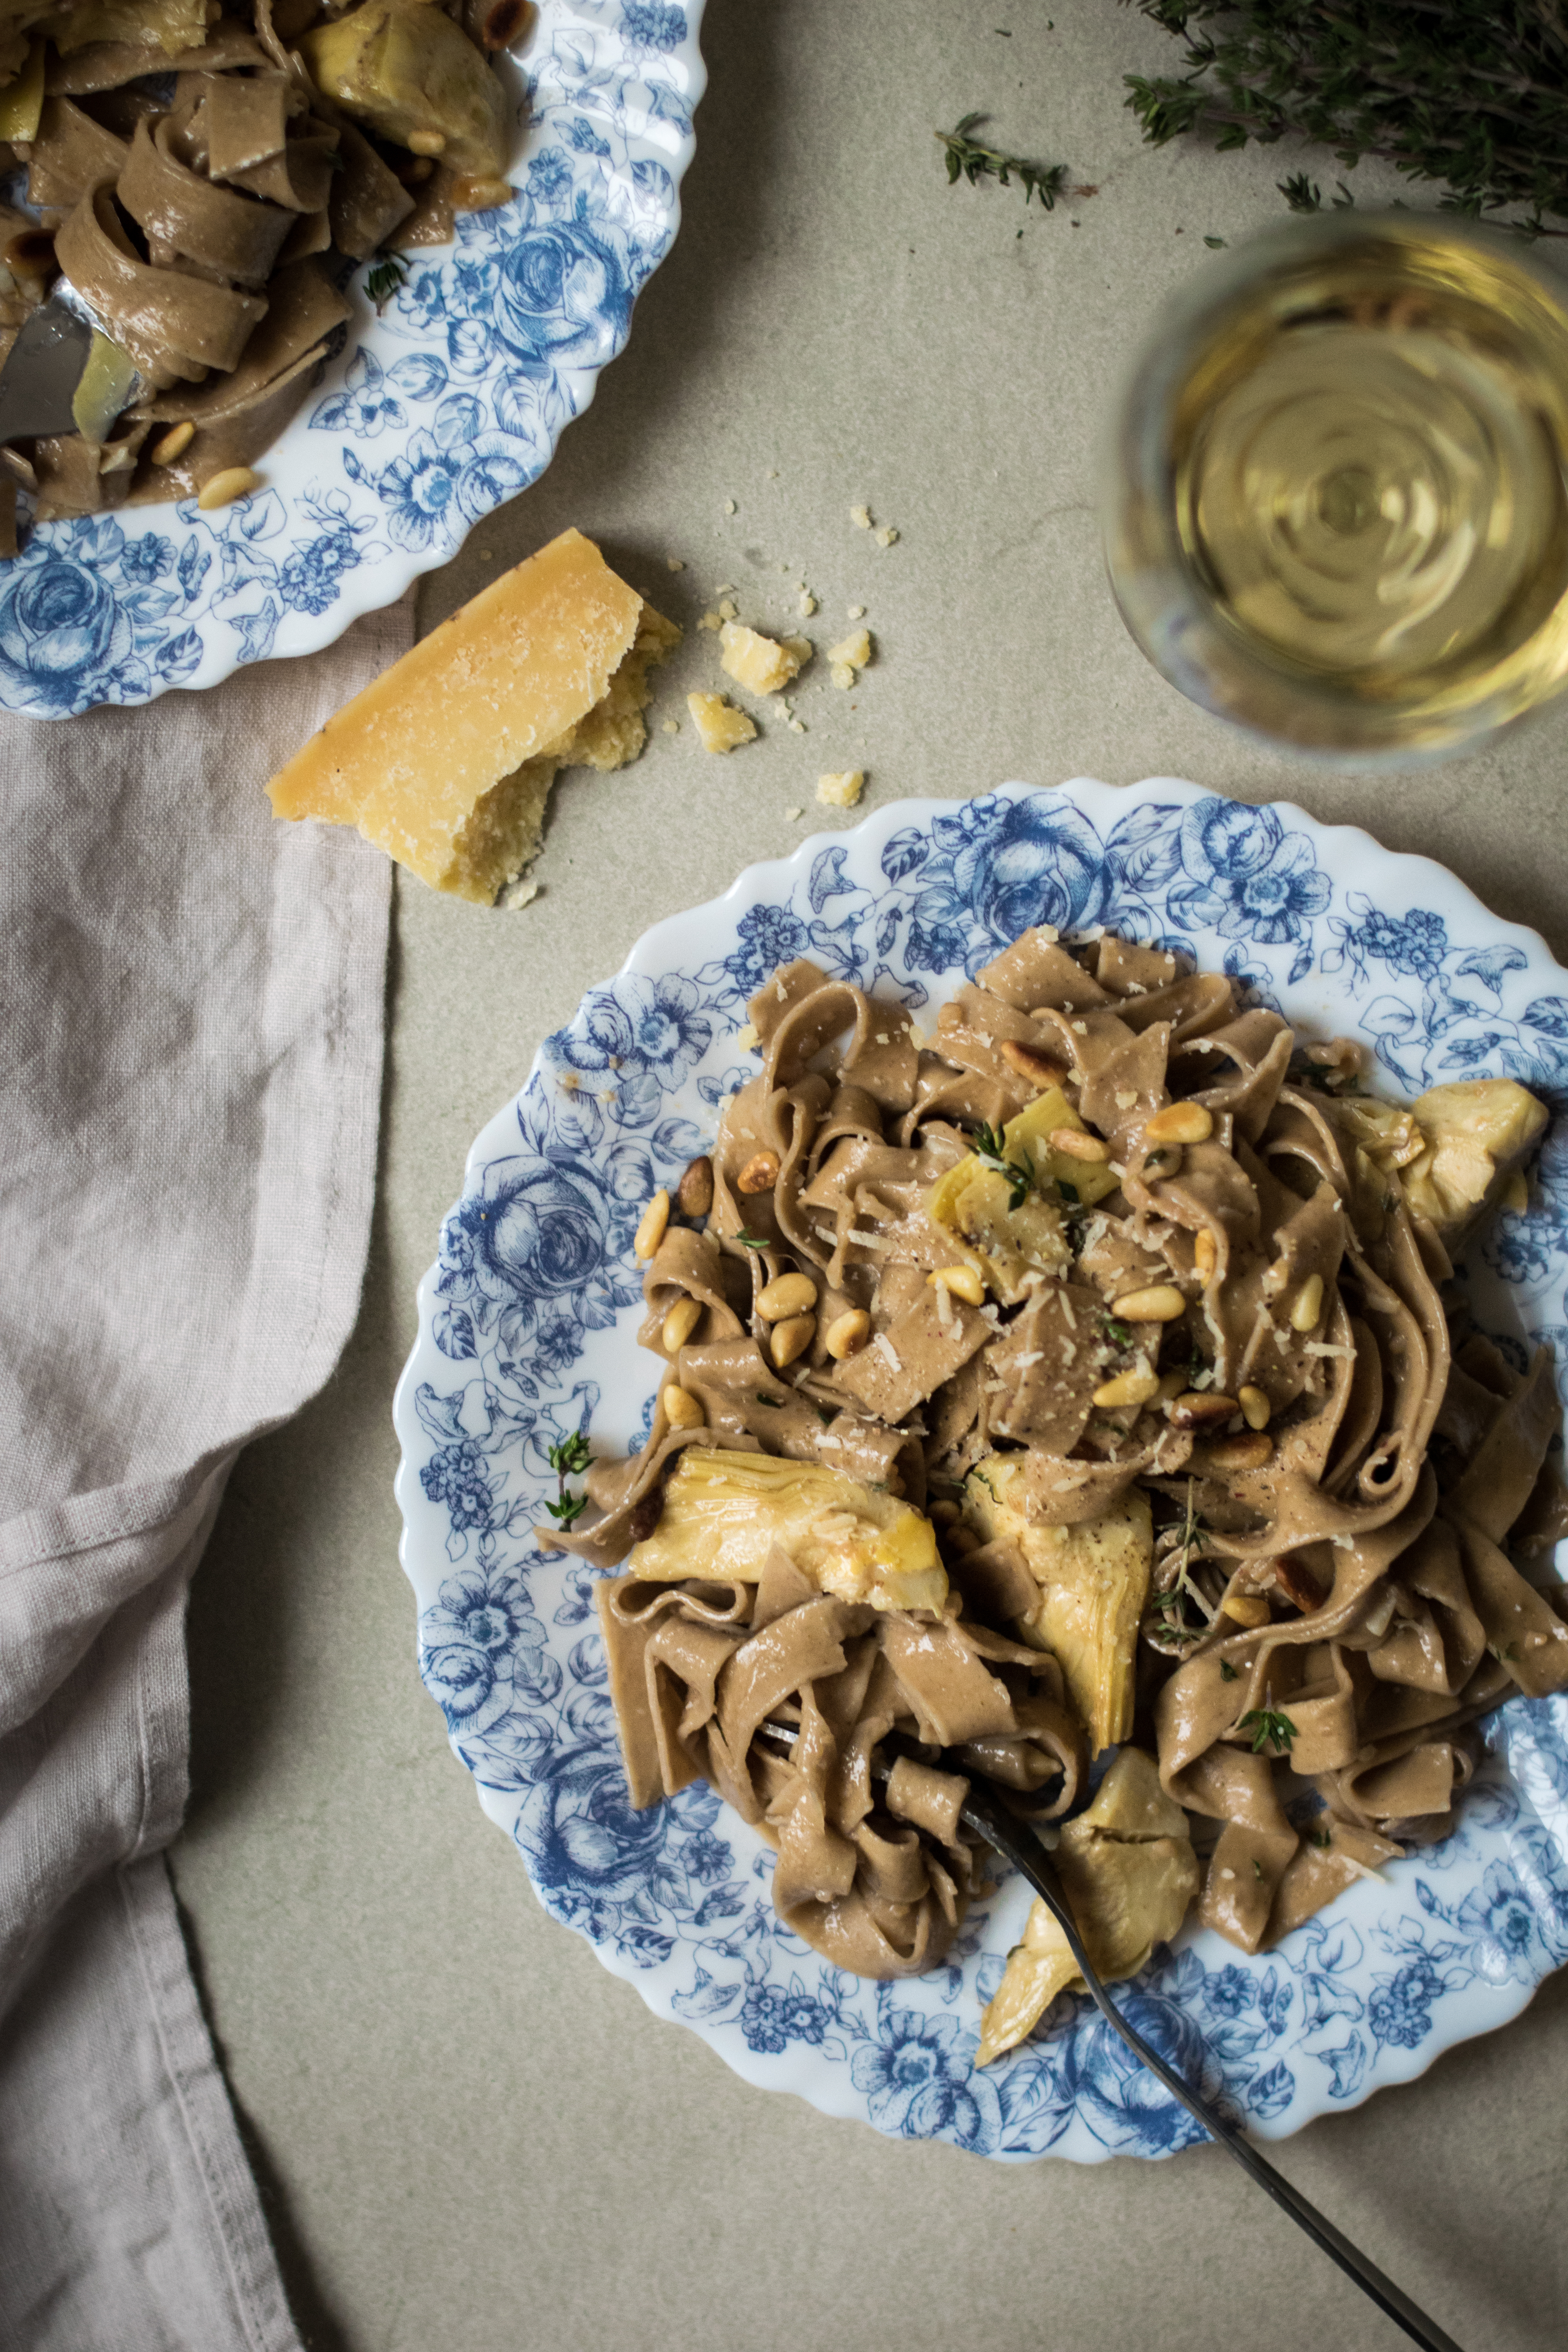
(1454, 1147)
(724, 1512)
(1130, 1873)
(1094, 1587)
(403, 68)
(974, 1202)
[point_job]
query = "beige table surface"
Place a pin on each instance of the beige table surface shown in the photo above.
(468, 2132)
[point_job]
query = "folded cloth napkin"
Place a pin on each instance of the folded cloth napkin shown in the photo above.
(190, 1067)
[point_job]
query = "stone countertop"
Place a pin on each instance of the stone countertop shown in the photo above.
(465, 2130)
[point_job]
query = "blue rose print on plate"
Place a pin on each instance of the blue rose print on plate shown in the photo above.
(527, 1334)
(434, 410)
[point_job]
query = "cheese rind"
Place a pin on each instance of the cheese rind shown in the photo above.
(446, 759)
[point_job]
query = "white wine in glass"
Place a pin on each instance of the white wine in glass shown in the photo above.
(1336, 495)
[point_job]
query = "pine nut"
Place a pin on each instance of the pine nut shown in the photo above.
(1037, 1068)
(681, 1410)
(172, 444)
(679, 1324)
(234, 482)
(847, 1333)
(1073, 1143)
(1172, 1385)
(760, 1174)
(1250, 1449)
(1180, 1122)
(1161, 1303)
(426, 142)
(1202, 1409)
(1129, 1388)
(473, 193)
(1247, 1608)
(694, 1192)
(790, 1339)
(963, 1282)
(650, 1232)
(1255, 1407)
(790, 1294)
(1308, 1304)
(1206, 1256)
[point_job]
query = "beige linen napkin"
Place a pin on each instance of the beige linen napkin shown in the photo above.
(190, 1068)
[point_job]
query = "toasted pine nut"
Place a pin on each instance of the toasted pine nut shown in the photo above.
(695, 1191)
(1205, 1256)
(1029, 1063)
(1129, 1388)
(172, 444)
(790, 1339)
(1255, 1407)
(1247, 1608)
(1308, 1304)
(1161, 1303)
(1172, 1385)
(760, 1174)
(1250, 1449)
(681, 1408)
(650, 1232)
(234, 482)
(679, 1324)
(1202, 1409)
(790, 1294)
(963, 1282)
(847, 1333)
(1074, 1143)
(1180, 1122)
(426, 142)
(473, 193)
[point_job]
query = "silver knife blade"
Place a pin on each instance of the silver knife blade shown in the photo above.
(43, 368)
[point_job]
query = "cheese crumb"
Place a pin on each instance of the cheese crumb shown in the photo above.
(728, 609)
(728, 506)
(760, 663)
(519, 894)
(711, 621)
(1126, 1096)
(794, 815)
(672, 725)
(887, 537)
(851, 653)
(841, 791)
(856, 611)
(675, 564)
(746, 1037)
(807, 606)
(797, 725)
(841, 675)
(861, 518)
(720, 724)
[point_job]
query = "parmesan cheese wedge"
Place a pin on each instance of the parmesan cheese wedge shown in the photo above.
(445, 761)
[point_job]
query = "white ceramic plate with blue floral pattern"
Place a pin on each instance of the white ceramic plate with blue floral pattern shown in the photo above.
(441, 407)
(526, 1333)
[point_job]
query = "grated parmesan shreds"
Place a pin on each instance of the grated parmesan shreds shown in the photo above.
(1068, 1318)
(836, 1443)
(1325, 1347)
(943, 1306)
(885, 1346)
(826, 1233)
(1035, 1356)
(867, 1239)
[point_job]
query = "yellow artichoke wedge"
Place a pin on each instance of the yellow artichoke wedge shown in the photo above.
(403, 69)
(724, 1512)
(974, 1202)
(1094, 1587)
(1129, 1873)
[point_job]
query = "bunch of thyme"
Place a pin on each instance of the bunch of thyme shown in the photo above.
(568, 1460)
(1472, 95)
(969, 159)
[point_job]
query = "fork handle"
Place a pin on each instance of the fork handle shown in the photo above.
(1029, 1856)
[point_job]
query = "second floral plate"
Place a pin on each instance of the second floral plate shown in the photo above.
(526, 1335)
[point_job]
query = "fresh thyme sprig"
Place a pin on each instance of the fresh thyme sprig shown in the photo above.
(384, 278)
(990, 1147)
(1304, 196)
(568, 1460)
(1169, 1608)
(1269, 1728)
(1446, 89)
(968, 159)
(751, 1241)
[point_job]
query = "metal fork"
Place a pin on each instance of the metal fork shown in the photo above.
(985, 1812)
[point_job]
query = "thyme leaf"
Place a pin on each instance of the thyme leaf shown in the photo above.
(383, 279)
(1227, 1671)
(1269, 1728)
(751, 1241)
(968, 159)
(990, 1147)
(568, 1460)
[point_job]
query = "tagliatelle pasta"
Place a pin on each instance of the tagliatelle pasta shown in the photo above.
(1077, 1377)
